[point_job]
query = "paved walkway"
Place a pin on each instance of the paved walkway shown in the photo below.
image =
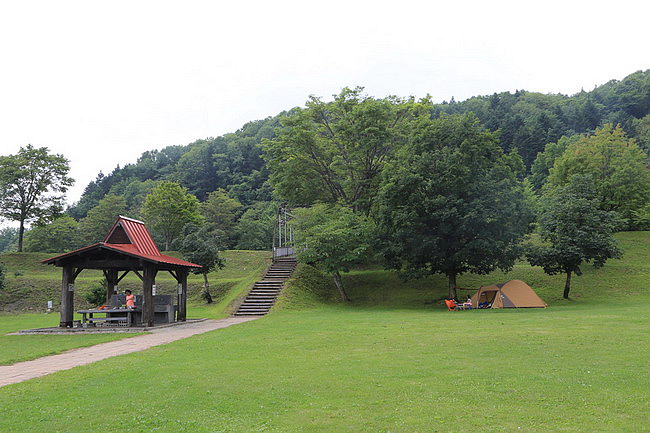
(50, 364)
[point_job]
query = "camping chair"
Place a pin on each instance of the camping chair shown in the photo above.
(451, 305)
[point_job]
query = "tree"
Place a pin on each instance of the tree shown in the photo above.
(452, 203)
(199, 246)
(61, 235)
(255, 227)
(574, 230)
(616, 165)
(333, 236)
(221, 213)
(33, 184)
(95, 226)
(8, 239)
(168, 209)
(546, 159)
(334, 151)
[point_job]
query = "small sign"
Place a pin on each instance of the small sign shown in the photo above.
(70, 287)
(180, 289)
(49, 305)
(153, 290)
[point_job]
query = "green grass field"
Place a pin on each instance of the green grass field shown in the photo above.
(387, 362)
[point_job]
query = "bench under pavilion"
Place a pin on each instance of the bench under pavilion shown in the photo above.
(128, 247)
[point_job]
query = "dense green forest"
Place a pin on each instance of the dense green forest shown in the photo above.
(240, 171)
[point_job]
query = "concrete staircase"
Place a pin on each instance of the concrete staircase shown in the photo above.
(264, 293)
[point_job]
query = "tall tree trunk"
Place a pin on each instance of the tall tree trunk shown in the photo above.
(206, 289)
(339, 285)
(21, 232)
(452, 285)
(567, 285)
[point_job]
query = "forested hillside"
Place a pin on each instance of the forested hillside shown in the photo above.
(239, 178)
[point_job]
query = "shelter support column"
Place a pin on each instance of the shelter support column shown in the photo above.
(182, 294)
(148, 280)
(67, 296)
(111, 279)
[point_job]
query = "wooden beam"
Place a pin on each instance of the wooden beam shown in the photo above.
(122, 276)
(173, 274)
(111, 280)
(148, 281)
(138, 274)
(77, 272)
(67, 297)
(182, 294)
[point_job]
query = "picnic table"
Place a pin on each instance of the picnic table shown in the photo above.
(111, 315)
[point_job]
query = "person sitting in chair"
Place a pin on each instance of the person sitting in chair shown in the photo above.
(468, 304)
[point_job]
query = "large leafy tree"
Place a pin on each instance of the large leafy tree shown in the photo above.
(334, 237)
(574, 230)
(168, 208)
(452, 203)
(221, 213)
(334, 151)
(615, 163)
(256, 225)
(198, 245)
(33, 184)
(60, 235)
(94, 227)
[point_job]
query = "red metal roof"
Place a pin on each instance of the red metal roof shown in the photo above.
(137, 243)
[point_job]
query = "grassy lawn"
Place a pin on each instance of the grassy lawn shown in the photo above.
(242, 269)
(387, 362)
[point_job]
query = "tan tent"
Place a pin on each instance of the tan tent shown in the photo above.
(513, 294)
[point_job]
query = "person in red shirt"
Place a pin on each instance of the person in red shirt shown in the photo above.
(130, 299)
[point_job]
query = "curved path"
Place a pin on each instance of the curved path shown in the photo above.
(50, 364)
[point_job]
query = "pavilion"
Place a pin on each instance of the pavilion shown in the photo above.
(128, 247)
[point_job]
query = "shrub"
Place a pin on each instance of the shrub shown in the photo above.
(97, 295)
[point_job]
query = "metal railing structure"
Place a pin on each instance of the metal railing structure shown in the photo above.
(283, 234)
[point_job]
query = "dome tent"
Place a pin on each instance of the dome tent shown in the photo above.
(513, 294)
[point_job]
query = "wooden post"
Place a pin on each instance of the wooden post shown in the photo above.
(182, 296)
(111, 278)
(67, 296)
(148, 280)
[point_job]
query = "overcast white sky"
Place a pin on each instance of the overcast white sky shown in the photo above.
(101, 82)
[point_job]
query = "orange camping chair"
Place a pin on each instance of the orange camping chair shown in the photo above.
(451, 305)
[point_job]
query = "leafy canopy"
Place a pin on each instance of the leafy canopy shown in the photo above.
(334, 237)
(574, 230)
(452, 203)
(168, 209)
(334, 151)
(33, 184)
(616, 165)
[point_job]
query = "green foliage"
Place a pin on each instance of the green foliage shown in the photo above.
(95, 226)
(575, 230)
(59, 236)
(332, 236)
(615, 163)
(97, 294)
(451, 203)
(221, 213)
(168, 209)
(3, 272)
(334, 151)
(199, 246)
(33, 184)
(255, 227)
(8, 239)
(546, 159)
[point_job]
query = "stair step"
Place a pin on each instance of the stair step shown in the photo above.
(264, 293)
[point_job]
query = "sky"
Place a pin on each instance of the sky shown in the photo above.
(102, 82)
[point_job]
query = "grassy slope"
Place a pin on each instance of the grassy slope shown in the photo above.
(39, 282)
(387, 362)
